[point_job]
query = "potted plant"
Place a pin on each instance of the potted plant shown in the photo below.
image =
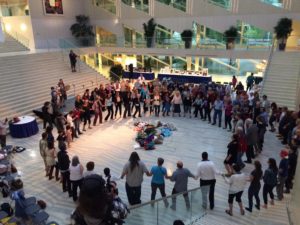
(283, 30)
(116, 72)
(149, 30)
(230, 36)
(82, 30)
(187, 36)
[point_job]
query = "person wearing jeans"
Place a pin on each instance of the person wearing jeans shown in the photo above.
(218, 107)
(134, 171)
(109, 107)
(180, 177)
(282, 173)
(270, 181)
(206, 170)
(255, 186)
(76, 176)
(158, 182)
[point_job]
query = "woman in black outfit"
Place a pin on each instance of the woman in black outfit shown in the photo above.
(126, 101)
(254, 188)
(231, 157)
(270, 181)
(136, 103)
(86, 114)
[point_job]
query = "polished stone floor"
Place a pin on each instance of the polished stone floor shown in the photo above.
(110, 144)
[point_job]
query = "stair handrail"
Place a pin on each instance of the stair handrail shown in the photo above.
(18, 37)
(268, 65)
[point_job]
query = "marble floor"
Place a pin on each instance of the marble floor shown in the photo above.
(110, 144)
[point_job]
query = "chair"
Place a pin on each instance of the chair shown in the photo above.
(40, 218)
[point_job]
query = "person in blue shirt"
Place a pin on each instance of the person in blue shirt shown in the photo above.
(282, 173)
(158, 173)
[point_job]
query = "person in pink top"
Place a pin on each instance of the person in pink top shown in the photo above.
(176, 101)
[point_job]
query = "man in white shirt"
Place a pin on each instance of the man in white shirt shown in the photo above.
(206, 171)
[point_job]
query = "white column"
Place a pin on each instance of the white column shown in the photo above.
(151, 7)
(118, 8)
(2, 35)
(189, 63)
(197, 63)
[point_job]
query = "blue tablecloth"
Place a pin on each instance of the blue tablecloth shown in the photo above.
(186, 78)
(23, 130)
(136, 75)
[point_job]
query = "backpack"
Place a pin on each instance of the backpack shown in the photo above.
(119, 210)
(7, 208)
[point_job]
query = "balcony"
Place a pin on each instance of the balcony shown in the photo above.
(108, 5)
(142, 5)
(177, 4)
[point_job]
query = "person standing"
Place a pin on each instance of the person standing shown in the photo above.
(228, 115)
(134, 171)
(64, 165)
(232, 152)
(251, 139)
(250, 81)
(270, 181)
(50, 160)
(97, 108)
(43, 149)
(218, 107)
(180, 177)
(3, 133)
(73, 60)
(109, 107)
(254, 188)
(237, 183)
(76, 176)
(118, 104)
(176, 101)
(158, 174)
(234, 82)
(282, 173)
(206, 170)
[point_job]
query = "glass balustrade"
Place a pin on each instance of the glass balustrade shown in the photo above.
(142, 5)
(175, 43)
(108, 5)
(276, 3)
(158, 213)
(177, 4)
(226, 4)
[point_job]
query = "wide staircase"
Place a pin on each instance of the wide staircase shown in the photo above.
(11, 45)
(26, 81)
(282, 82)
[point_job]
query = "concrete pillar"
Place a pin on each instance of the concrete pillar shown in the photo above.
(171, 61)
(133, 38)
(100, 63)
(196, 63)
(189, 63)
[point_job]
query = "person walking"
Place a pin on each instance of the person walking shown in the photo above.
(237, 183)
(180, 177)
(97, 108)
(282, 173)
(270, 181)
(254, 188)
(251, 139)
(73, 60)
(76, 176)
(109, 107)
(228, 115)
(206, 171)
(64, 168)
(158, 174)
(134, 171)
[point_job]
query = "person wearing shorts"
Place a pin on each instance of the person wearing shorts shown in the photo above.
(237, 183)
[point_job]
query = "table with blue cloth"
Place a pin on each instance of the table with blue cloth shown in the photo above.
(182, 78)
(26, 127)
(136, 75)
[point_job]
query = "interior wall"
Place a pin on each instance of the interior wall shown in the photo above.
(15, 22)
(48, 29)
(294, 39)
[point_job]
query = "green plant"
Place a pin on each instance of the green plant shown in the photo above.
(116, 72)
(283, 30)
(187, 36)
(82, 30)
(149, 31)
(230, 36)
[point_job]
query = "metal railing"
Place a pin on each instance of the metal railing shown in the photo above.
(19, 37)
(225, 4)
(276, 3)
(163, 212)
